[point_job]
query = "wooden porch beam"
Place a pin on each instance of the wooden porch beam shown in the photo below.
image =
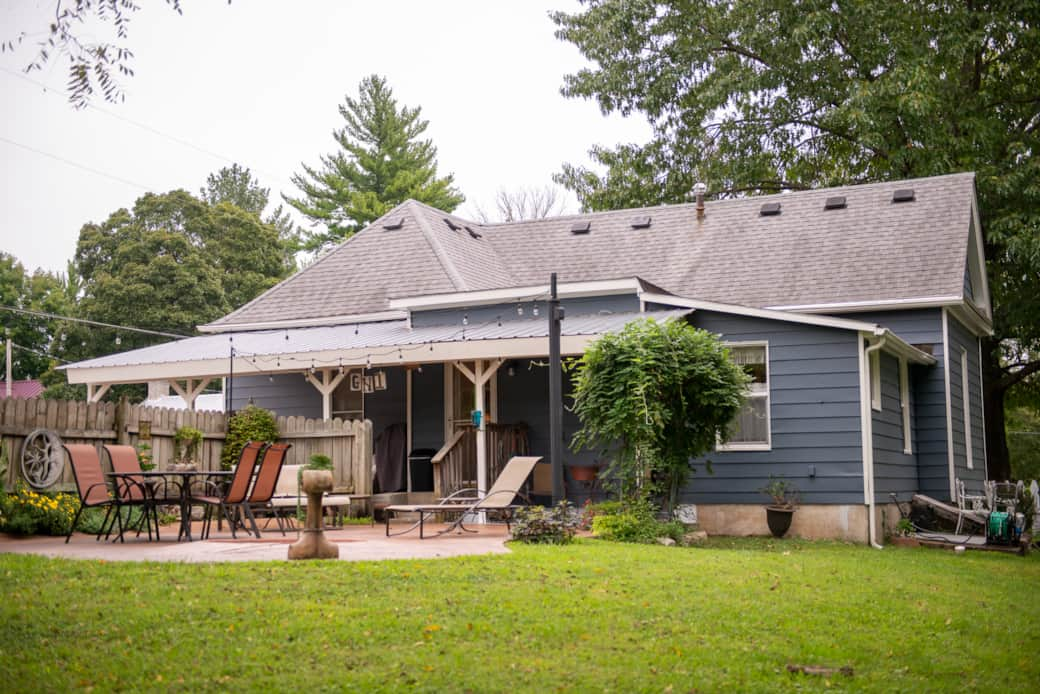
(326, 387)
(96, 391)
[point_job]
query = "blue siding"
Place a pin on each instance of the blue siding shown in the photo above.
(963, 342)
(287, 395)
(524, 397)
(814, 415)
(894, 470)
(923, 327)
(478, 315)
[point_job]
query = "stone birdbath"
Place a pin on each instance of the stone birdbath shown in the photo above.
(312, 543)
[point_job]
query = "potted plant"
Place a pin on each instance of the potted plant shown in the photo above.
(144, 456)
(779, 513)
(186, 443)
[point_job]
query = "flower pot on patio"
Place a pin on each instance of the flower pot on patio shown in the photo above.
(312, 544)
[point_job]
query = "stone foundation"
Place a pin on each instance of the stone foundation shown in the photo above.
(811, 521)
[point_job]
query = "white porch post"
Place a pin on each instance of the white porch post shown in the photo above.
(326, 386)
(481, 374)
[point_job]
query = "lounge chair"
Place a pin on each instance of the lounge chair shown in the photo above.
(91, 485)
(237, 492)
(498, 500)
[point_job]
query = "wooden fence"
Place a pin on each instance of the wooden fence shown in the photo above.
(349, 444)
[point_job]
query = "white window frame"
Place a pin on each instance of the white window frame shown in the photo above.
(875, 380)
(966, 407)
(766, 393)
(904, 403)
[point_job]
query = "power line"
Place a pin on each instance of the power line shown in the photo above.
(76, 164)
(39, 353)
(44, 314)
(145, 127)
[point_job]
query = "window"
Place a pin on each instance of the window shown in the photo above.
(966, 401)
(750, 431)
(875, 380)
(904, 403)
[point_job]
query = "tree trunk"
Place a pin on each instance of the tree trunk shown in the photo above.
(998, 463)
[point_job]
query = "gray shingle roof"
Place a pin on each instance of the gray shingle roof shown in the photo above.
(871, 250)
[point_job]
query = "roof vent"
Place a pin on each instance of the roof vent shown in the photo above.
(903, 195)
(473, 233)
(451, 225)
(640, 222)
(769, 209)
(582, 227)
(836, 202)
(393, 223)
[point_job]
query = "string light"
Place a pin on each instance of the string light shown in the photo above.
(499, 319)
(534, 310)
(520, 309)
(119, 340)
(465, 319)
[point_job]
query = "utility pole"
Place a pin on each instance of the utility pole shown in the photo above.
(8, 385)
(555, 394)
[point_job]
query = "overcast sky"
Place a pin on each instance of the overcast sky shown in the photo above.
(259, 82)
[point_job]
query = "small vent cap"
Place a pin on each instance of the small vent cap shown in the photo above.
(640, 222)
(835, 202)
(452, 225)
(903, 195)
(582, 227)
(769, 209)
(393, 223)
(471, 232)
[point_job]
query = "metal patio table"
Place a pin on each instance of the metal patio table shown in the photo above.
(183, 484)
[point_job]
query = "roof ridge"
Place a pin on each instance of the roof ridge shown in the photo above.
(438, 249)
(494, 226)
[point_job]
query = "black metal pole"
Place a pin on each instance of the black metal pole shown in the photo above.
(231, 377)
(555, 394)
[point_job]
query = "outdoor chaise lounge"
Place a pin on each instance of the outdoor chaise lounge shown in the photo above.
(499, 500)
(287, 496)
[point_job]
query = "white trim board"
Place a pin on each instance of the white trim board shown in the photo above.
(510, 294)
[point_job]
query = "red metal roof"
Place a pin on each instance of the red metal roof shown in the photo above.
(22, 389)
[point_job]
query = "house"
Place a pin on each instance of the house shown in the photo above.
(858, 310)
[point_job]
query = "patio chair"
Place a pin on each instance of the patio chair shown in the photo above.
(498, 500)
(236, 493)
(133, 491)
(91, 485)
(266, 481)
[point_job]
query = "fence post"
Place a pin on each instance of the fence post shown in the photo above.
(122, 415)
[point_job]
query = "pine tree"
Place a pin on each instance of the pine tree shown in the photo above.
(381, 163)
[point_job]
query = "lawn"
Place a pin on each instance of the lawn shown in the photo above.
(589, 617)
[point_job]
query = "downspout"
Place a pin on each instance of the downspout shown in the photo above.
(868, 425)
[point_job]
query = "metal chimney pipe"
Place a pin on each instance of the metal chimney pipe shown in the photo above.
(698, 191)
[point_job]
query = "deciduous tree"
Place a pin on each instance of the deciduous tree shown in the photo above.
(758, 96)
(658, 394)
(380, 163)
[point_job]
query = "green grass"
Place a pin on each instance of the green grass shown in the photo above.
(592, 616)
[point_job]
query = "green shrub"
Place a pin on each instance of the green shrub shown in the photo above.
(249, 424)
(186, 443)
(320, 461)
(26, 512)
(91, 519)
(634, 521)
(546, 526)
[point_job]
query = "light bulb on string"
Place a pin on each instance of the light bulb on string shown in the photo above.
(519, 309)
(119, 340)
(499, 319)
(534, 310)
(465, 319)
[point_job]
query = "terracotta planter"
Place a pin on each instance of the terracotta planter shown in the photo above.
(584, 473)
(779, 519)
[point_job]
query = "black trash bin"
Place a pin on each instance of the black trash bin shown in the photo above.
(420, 469)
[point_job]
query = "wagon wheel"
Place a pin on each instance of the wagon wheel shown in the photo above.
(43, 460)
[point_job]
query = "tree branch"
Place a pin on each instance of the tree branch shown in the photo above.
(1017, 376)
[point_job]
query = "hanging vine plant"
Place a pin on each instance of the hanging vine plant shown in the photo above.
(653, 396)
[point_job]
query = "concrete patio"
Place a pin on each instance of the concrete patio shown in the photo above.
(356, 543)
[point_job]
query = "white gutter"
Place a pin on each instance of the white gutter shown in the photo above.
(867, 426)
(510, 294)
